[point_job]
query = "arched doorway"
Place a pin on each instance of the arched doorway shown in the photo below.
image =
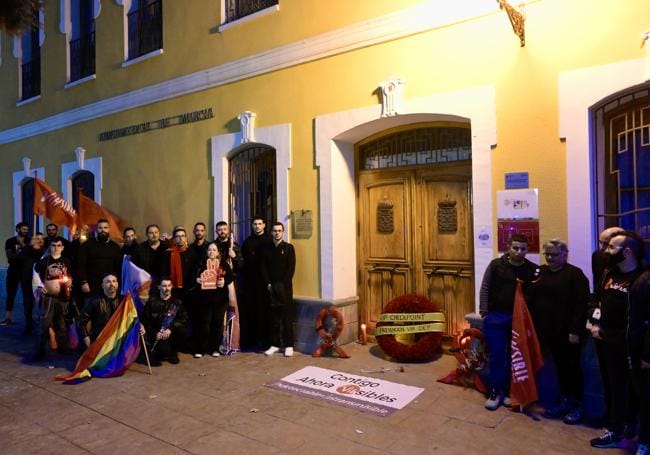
(414, 205)
(27, 205)
(83, 181)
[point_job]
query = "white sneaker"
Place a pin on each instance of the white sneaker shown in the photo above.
(272, 350)
(288, 352)
(198, 356)
(216, 354)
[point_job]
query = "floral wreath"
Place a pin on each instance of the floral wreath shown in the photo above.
(328, 339)
(428, 344)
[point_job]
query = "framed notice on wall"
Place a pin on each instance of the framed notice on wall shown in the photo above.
(528, 228)
(517, 204)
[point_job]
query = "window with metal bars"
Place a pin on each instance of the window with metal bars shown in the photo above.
(236, 9)
(622, 162)
(30, 68)
(84, 181)
(252, 189)
(82, 44)
(27, 205)
(420, 146)
(145, 27)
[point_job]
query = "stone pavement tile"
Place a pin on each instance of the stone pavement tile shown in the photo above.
(261, 427)
(10, 385)
(469, 411)
(16, 428)
(326, 442)
(220, 441)
(46, 444)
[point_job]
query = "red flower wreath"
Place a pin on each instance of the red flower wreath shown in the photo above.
(427, 345)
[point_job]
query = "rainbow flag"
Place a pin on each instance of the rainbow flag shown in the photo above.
(114, 350)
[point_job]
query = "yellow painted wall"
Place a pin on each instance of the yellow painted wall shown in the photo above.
(163, 176)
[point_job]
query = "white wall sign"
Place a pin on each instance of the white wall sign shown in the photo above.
(517, 204)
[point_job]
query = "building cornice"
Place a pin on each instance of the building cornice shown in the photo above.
(400, 24)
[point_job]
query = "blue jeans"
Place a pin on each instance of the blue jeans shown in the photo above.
(497, 328)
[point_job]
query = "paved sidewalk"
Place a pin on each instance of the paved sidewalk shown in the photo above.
(221, 406)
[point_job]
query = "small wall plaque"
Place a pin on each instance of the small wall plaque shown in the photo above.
(385, 224)
(447, 217)
(302, 224)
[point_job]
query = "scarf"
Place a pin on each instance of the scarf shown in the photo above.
(176, 266)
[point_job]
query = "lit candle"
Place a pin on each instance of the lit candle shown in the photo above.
(364, 336)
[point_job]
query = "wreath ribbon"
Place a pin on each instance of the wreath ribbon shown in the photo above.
(412, 317)
(420, 328)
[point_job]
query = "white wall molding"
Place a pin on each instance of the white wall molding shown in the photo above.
(18, 180)
(225, 146)
(70, 169)
(578, 91)
(335, 136)
(400, 24)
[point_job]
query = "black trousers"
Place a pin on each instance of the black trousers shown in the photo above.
(282, 317)
(13, 282)
(166, 349)
(566, 357)
(28, 300)
(53, 313)
(641, 382)
(254, 316)
(623, 402)
(208, 324)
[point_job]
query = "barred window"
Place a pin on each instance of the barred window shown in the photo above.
(83, 181)
(144, 22)
(622, 171)
(252, 188)
(82, 39)
(236, 9)
(27, 205)
(30, 65)
(421, 146)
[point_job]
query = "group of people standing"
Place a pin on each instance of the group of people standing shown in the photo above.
(193, 286)
(565, 314)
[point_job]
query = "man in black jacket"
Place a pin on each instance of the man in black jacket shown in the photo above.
(164, 320)
(13, 247)
(254, 332)
(98, 257)
(228, 249)
(98, 310)
(497, 299)
(148, 254)
(278, 267)
(609, 325)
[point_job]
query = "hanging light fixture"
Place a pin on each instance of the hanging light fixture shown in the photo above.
(517, 19)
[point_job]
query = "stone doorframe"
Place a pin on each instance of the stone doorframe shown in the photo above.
(335, 136)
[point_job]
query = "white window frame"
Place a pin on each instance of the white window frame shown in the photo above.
(126, 6)
(19, 178)
(225, 146)
(71, 168)
(256, 15)
(18, 54)
(65, 27)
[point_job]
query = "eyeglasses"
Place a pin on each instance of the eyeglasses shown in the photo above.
(551, 255)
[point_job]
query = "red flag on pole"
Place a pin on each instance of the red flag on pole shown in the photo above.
(526, 354)
(52, 205)
(90, 211)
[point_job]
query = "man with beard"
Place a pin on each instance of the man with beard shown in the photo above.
(181, 265)
(54, 271)
(98, 257)
(278, 267)
(497, 299)
(13, 247)
(609, 325)
(228, 248)
(599, 257)
(99, 309)
(148, 255)
(200, 244)
(164, 321)
(253, 328)
(130, 241)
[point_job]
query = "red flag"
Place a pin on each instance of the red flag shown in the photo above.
(90, 211)
(52, 205)
(526, 354)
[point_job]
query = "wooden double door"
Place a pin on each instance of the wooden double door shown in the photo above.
(415, 236)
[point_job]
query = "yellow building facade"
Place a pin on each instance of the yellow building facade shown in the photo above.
(320, 82)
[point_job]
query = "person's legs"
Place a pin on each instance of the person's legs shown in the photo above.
(28, 304)
(288, 320)
(216, 325)
(641, 381)
(12, 282)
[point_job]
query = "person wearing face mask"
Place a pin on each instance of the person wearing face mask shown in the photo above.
(609, 323)
(558, 306)
(98, 257)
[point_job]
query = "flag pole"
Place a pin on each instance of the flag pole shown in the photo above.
(146, 354)
(35, 228)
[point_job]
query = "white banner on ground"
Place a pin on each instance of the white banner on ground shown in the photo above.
(358, 392)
